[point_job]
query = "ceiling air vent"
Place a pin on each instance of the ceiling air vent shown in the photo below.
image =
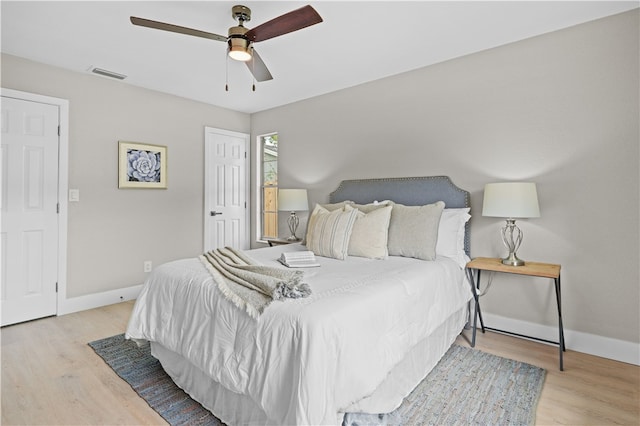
(107, 73)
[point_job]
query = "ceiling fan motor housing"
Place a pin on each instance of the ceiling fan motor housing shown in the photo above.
(238, 44)
(241, 13)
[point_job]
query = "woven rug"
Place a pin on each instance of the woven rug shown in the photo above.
(467, 387)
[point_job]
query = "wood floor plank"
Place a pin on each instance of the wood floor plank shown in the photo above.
(51, 376)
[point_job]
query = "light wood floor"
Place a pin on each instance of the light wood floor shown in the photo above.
(51, 376)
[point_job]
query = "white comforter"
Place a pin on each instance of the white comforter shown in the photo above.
(304, 360)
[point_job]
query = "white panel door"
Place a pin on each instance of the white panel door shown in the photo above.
(226, 189)
(29, 210)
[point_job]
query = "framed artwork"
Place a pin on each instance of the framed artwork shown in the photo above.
(142, 165)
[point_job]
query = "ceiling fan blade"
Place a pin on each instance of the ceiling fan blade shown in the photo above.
(258, 68)
(175, 29)
(283, 24)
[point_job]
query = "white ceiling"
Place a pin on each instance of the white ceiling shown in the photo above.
(357, 42)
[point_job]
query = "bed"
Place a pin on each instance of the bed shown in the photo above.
(369, 333)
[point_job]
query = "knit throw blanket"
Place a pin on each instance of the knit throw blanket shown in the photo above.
(249, 285)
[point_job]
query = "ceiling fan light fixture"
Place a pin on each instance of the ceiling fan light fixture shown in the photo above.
(239, 49)
(239, 54)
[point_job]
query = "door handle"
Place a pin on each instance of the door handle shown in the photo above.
(215, 213)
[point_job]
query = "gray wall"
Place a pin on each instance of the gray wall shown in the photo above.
(560, 110)
(112, 231)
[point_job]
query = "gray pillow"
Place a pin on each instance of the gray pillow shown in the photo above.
(413, 230)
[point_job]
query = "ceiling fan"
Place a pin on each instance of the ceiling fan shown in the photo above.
(240, 39)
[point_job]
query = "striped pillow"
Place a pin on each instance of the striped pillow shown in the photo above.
(328, 232)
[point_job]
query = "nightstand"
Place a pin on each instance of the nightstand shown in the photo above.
(534, 269)
(280, 241)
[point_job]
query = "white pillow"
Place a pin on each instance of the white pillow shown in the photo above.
(413, 230)
(451, 234)
(335, 206)
(370, 233)
(328, 232)
(367, 208)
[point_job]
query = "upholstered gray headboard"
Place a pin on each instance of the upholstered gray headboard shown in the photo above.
(410, 191)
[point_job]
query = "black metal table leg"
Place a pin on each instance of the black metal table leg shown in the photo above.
(475, 284)
(478, 303)
(561, 345)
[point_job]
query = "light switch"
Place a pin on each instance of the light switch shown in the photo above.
(74, 195)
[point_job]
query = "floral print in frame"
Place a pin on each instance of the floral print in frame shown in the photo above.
(142, 165)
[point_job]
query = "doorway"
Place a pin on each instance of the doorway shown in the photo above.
(34, 183)
(226, 188)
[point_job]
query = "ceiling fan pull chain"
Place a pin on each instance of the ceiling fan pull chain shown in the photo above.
(226, 73)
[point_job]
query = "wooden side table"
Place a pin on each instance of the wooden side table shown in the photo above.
(534, 269)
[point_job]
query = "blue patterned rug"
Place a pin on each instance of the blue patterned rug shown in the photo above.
(467, 387)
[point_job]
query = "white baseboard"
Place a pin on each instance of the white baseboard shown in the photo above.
(90, 301)
(619, 350)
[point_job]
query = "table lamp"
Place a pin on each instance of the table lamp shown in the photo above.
(511, 200)
(293, 200)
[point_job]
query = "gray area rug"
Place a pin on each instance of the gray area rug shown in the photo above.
(467, 387)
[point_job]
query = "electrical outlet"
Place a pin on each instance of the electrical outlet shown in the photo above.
(147, 265)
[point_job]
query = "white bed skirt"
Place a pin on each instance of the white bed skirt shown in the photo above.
(236, 409)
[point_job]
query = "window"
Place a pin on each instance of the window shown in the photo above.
(269, 185)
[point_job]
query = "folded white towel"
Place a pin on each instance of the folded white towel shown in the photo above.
(299, 259)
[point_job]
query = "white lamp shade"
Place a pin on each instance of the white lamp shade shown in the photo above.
(511, 200)
(293, 200)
